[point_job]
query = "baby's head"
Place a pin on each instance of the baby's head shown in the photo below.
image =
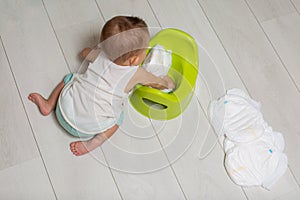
(124, 40)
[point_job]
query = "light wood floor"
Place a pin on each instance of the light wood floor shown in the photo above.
(249, 44)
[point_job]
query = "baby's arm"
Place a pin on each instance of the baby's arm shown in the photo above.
(148, 79)
(161, 83)
(90, 54)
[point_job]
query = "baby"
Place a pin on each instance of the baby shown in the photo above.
(89, 105)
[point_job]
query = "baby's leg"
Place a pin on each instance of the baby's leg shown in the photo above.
(47, 105)
(82, 147)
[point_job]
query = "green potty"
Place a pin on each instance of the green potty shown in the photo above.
(156, 104)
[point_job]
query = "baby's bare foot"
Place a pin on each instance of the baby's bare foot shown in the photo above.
(41, 102)
(82, 147)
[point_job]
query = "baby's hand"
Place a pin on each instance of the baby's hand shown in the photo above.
(169, 81)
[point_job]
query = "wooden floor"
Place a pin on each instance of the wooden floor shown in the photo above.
(249, 44)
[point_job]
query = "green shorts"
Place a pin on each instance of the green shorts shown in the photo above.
(68, 127)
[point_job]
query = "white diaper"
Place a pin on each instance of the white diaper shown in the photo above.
(158, 62)
(253, 150)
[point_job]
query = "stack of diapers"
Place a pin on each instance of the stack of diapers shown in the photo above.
(158, 62)
(253, 151)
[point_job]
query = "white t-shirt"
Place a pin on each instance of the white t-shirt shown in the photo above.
(92, 102)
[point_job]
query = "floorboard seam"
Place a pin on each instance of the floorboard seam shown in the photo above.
(231, 61)
(99, 9)
(152, 10)
(112, 175)
(295, 6)
(273, 47)
(29, 122)
(226, 52)
(52, 26)
(169, 163)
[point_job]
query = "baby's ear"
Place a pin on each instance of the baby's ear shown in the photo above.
(134, 60)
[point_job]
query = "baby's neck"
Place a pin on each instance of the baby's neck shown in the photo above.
(122, 63)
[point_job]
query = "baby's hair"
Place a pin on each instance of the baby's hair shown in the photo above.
(123, 37)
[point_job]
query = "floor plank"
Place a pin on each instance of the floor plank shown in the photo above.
(27, 181)
(269, 9)
(20, 160)
(189, 143)
(183, 137)
(42, 39)
(34, 52)
(296, 4)
(77, 25)
(287, 181)
(17, 141)
(295, 194)
(134, 148)
(261, 70)
(138, 162)
(284, 34)
(157, 185)
(137, 8)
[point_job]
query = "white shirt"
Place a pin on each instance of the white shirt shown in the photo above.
(92, 102)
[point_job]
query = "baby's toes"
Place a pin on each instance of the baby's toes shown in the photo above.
(74, 151)
(30, 97)
(73, 147)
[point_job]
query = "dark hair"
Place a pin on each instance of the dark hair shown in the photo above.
(123, 37)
